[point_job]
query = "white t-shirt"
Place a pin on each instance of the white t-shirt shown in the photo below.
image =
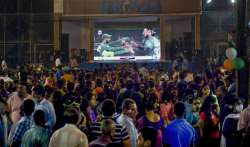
(58, 62)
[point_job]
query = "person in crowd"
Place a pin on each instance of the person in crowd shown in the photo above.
(4, 123)
(92, 102)
(50, 80)
(230, 134)
(85, 121)
(24, 124)
(58, 62)
(59, 73)
(99, 86)
(167, 107)
(49, 92)
(58, 104)
(4, 66)
(14, 107)
(207, 93)
(67, 76)
(44, 105)
(128, 117)
(108, 131)
(193, 117)
(209, 122)
(71, 98)
(179, 133)
(188, 101)
(38, 134)
(23, 75)
(69, 135)
(128, 93)
(152, 119)
(230, 83)
(244, 124)
(147, 137)
(15, 102)
(108, 112)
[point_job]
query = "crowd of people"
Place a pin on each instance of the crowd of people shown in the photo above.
(126, 106)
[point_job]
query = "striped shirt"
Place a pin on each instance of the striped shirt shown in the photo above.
(121, 133)
(36, 136)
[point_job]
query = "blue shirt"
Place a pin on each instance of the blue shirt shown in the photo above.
(48, 108)
(22, 126)
(179, 133)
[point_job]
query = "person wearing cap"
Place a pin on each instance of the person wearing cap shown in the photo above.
(106, 50)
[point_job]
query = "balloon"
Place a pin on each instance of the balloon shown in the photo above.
(231, 53)
(238, 63)
(228, 64)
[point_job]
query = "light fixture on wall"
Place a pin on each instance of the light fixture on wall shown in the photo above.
(233, 1)
(209, 1)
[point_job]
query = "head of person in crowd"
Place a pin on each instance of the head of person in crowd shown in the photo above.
(229, 79)
(38, 93)
(151, 84)
(207, 104)
(108, 128)
(28, 107)
(89, 84)
(166, 97)
(238, 106)
(149, 107)
(71, 116)
(60, 84)
(49, 91)
(22, 91)
(99, 86)
(196, 105)
(129, 85)
(147, 137)
(70, 87)
(108, 108)
(221, 91)
(99, 82)
(206, 91)
(198, 80)
(39, 118)
(129, 108)
(179, 110)
(12, 87)
(153, 98)
(189, 96)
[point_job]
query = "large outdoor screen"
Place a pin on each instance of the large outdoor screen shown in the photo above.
(131, 43)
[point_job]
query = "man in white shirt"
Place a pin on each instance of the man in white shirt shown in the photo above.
(69, 135)
(58, 62)
(127, 118)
